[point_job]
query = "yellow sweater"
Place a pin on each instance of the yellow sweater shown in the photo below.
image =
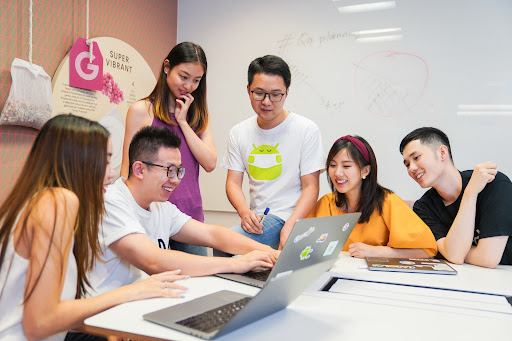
(397, 227)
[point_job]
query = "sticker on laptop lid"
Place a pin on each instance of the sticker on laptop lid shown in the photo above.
(281, 275)
(442, 267)
(426, 260)
(306, 253)
(322, 238)
(330, 248)
(345, 227)
(304, 235)
(407, 262)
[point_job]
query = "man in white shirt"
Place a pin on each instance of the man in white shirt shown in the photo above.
(280, 151)
(139, 221)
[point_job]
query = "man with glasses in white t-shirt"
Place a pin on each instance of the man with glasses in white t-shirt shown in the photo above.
(280, 151)
(139, 221)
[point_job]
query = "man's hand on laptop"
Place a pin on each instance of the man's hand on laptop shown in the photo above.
(274, 254)
(252, 260)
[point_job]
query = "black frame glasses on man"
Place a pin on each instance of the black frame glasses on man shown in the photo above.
(260, 96)
(172, 170)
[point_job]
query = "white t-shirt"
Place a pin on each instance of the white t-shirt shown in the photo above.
(12, 281)
(123, 216)
(274, 160)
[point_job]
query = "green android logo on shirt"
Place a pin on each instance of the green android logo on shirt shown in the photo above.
(265, 162)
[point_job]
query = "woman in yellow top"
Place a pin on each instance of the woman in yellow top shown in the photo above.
(387, 226)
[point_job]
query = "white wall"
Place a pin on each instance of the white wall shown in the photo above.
(449, 53)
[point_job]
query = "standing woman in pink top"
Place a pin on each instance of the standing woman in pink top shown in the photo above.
(178, 102)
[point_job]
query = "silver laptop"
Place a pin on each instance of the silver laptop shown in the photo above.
(311, 233)
(219, 313)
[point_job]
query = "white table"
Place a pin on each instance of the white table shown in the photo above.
(468, 278)
(359, 313)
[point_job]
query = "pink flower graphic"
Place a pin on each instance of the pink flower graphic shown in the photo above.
(111, 89)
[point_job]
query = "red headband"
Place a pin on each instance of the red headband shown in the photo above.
(359, 145)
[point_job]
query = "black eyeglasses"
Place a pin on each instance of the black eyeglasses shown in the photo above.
(171, 170)
(260, 96)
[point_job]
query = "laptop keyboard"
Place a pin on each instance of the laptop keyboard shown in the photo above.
(214, 319)
(261, 275)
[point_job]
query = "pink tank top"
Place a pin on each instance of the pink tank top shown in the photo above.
(186, 196)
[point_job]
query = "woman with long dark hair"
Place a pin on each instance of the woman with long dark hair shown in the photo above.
(49, 235)
(387, 226)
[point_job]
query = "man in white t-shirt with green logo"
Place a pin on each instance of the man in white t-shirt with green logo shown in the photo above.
(139, 221)
(280, 151)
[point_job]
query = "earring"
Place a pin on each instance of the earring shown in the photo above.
(364, 177)
(165, 72)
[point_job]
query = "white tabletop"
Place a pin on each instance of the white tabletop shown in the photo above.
(468, 278)
(128, 317)
(356, 312)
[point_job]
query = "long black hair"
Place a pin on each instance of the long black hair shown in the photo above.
(63, 149)
(372, 194)
(197, 116)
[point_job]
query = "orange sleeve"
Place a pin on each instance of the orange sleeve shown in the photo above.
(321, 208)
(406, 229)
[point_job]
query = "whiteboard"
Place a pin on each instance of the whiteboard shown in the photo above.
(378, 74)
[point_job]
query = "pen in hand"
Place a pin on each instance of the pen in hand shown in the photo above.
(264, 214)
